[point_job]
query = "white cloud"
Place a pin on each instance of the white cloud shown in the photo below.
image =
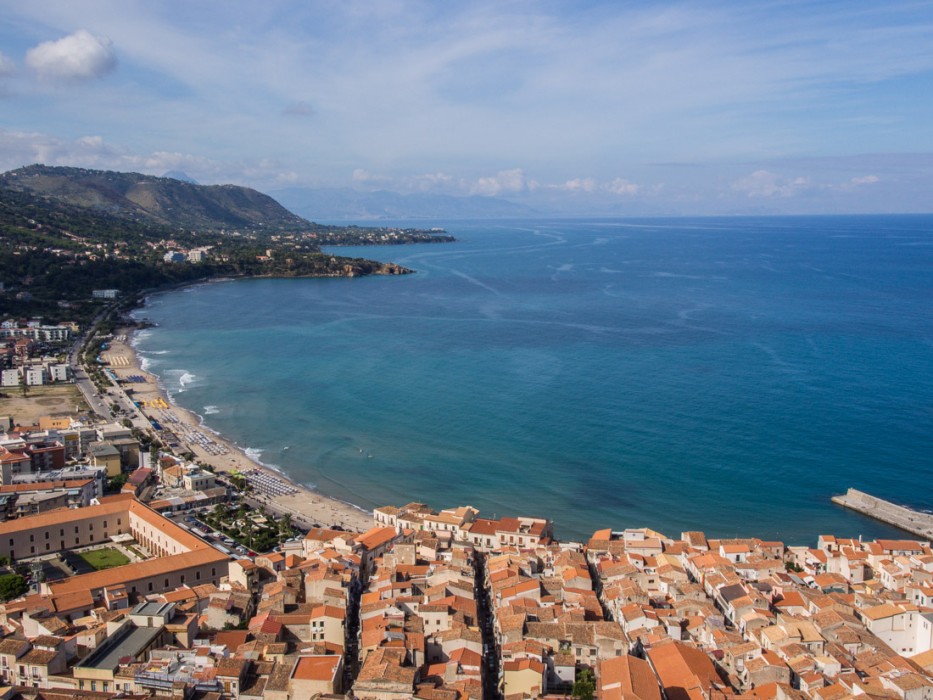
(763, 183)
(622, 187)
(364, 177)
(6, 66)
(856, 183)
(584, 184)
(502, 182)
(77, 57)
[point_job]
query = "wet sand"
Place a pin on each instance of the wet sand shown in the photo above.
(306, 506)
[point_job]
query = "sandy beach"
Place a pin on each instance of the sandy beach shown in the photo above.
(307, 507)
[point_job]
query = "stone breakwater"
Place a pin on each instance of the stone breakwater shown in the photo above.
(901, 517)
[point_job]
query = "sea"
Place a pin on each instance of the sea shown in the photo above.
(727, 375)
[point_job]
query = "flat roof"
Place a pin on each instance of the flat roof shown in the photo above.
(129, 641)
(150, 609)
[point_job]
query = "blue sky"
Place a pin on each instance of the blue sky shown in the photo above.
(608, 107)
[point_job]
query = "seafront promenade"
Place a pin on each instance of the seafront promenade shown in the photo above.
(901, 517)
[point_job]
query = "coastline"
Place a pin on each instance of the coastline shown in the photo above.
(307, 507)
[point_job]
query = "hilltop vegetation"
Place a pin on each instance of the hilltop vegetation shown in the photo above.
(65, 232)
(155, 200)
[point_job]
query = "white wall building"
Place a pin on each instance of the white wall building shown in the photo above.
(11, 377)
(59, 373)
(35, 376)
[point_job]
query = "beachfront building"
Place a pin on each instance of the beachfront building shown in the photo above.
(189, 477)
(34, 330)
(105, 293)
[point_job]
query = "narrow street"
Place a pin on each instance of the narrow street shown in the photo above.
(490, 651)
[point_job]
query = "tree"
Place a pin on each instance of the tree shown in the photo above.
(115, 483)
(584, 687)
(285, 526)
(12, 586)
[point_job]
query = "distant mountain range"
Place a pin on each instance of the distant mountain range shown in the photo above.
(155, 200)
(348, 204)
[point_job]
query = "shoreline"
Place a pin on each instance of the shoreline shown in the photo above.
(308, 507)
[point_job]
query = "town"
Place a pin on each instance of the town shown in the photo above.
(131, 568)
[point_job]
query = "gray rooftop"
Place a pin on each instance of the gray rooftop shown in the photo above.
(129, 641)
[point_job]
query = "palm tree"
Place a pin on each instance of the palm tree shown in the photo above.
(285, 526)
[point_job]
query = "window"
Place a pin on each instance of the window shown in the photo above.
(46, 534)
(32, 538)
(150, 586)
(76, 529)
(61, 533)
(105, 523)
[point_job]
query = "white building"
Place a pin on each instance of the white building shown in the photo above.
(905, 629)
(105, 293)
(10, 377)
(59, 373)
(36, 332)
(35, 376)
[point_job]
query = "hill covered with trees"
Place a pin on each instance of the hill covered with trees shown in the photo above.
(65, 232)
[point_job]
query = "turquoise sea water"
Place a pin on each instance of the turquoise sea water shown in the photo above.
(727, 375)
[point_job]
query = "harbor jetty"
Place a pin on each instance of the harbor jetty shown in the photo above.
(901, 517)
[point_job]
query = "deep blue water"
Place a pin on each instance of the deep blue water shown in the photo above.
(727, 375)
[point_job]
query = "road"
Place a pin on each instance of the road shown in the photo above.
(100, 404)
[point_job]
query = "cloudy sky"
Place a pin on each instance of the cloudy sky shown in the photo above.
(625, 107)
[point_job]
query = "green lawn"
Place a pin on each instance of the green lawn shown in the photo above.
(105, 558)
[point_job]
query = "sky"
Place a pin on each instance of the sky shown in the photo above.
(580, 107)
